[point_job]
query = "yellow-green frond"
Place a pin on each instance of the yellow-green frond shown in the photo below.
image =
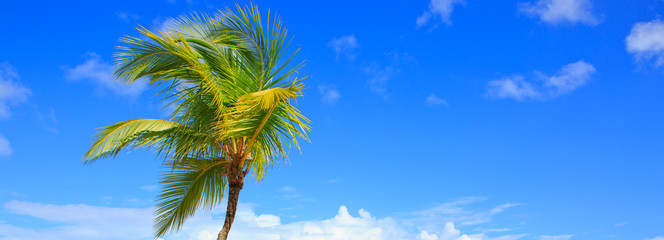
(110, 140)
(269, 98)
(185, 188)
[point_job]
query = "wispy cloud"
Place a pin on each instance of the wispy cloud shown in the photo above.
(5, 149)
(150, 188)
(289, 192)
(190, 2)
(379, 75)
(345, 46)
(646, 41)
(77, 222)
(433, 101)
(512, 87)
(568, 79)
(333, 180)
(438, 10)
(164, 24)
(620, 224)
(400, 57)
(128, 17)
(458, 212)
(12, 92)
(47, 119)
(12, 194)
(292, 194)
(656, 238)
(556, 237)
(100, 73)
(329, 94)
(557, 12)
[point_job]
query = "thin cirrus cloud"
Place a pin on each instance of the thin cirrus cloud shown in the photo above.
(620, 224)
(381, 73)
(100, 73)
(458, 212)
(329, 94)
(656, 238)
(646, 42)
(556, 237)
(12, 92)
(79, 221)
(164, 24)
(568, 79)
(379, 76)
(128, 17)
(345, 46)
(557, 12)
(438, 10)
(5, 149)
(433, 101)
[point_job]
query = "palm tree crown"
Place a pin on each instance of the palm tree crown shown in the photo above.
(231, 89)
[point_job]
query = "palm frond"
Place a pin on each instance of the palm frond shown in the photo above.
(110, 140)
(185, 188)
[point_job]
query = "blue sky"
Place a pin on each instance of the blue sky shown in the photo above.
(432, 120)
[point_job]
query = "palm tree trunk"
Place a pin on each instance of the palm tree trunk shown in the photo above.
(233, 194)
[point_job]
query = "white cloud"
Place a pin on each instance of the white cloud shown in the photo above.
(400, 57)
(656, 238)
(560, 11)
(287, 189)
(378, 78)
(187, 1)
(345, 46)
(456, 212)
(5, 149)
(646, 41)
(77, 222)
(47, 119)
(150, 188)
(438, 9)
(101, 74)
(568, 79)
(128, 17)
(12, 92)
(556, 237)
(432, 100)
(424, 235)
(510, 237)
(288, 192)
(329, 94)
(247, 216)
(164, 24)
(512, 87)
(620, 224)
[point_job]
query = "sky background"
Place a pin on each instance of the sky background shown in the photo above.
(432, 120)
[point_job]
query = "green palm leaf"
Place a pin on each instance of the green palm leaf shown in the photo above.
(185, 188)
(110, 140)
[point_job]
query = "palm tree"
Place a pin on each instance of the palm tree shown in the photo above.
(232, 92)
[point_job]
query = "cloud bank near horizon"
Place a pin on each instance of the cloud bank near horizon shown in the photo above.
(81, 221)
